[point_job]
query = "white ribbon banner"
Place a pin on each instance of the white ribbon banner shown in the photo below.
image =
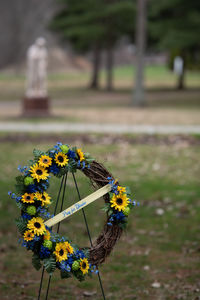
(78, 205)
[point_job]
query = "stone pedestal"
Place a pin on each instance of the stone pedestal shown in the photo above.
(36, 107)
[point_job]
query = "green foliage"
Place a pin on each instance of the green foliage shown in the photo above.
(72, 165)
(87, 23)
(175, 25)
(50, 264)
(63, 171)
(65, 274)
(21, 224)
(19, 184)
(38, 153)
(36, 262)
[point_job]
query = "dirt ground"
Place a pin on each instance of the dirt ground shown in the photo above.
(163, 108)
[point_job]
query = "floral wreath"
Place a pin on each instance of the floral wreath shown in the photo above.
(51, 249)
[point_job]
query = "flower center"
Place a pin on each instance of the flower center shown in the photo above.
(60, 159)
(28, 198)
(119, 201)
(61, 252)
(37, 225)
(43, 197)
(83, 265)
(39, 172)
(45, 160)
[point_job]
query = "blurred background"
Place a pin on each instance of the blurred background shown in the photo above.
(124, 84)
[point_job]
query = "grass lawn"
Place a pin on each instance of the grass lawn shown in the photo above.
(74, 83)
(155, 248)
(71, 101)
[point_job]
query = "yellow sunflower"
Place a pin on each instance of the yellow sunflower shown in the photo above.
(45, 161)
(60, 252)
(80, 154)
(28, 198)
(121, 189)
(37, 226)
(43, 197)
(69, 248)
(84, 265)
(119, 202)
(28, 235)
(38, 172)
(47, 235)
(61, 159)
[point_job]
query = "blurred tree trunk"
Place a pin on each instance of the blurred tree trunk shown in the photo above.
(181, 79)
(96, 67)
(138, 96)
(109, 68)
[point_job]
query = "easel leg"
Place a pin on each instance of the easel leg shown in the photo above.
(89, 235)
(64, 180)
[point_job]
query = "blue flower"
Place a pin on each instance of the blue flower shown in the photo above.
(57, 146)
(109, 224)
(52, 153)
(45, 185)
(54, 169)
(117, 217)
(36, 238)
(23, 169)
(18, 199)
(32, 188)
(13, 196)
(71, 154)
(70, 260)
(111, 181)
(64, 266)
(26, 216)
(43, 212)
(29, 245)
(44, 252)
(79, 254)
(94, 269)
(83, 165)
(40, 189)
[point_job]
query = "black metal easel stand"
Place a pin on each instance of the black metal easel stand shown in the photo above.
(63, 187)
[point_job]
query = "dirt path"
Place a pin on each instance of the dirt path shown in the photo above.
(54, 127)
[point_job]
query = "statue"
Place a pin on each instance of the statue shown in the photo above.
(36, 102)
(37, 69)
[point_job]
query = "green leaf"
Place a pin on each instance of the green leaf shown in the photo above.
(36, 262)
(110, 212)
(65, 274)
(50, 264)
(20, 179)
(89, 160)
(86, 251)
(79, 275)
(72, 166)
(106, 207)
(128, 191)
(21, 225)
(19, 188)
(19, 205)
(38, 153)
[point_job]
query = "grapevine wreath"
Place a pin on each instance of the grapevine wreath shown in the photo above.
(51, 249)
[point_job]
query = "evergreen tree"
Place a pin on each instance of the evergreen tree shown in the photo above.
(95, 25)
(175, 26)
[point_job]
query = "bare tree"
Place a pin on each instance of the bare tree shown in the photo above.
(139, 95)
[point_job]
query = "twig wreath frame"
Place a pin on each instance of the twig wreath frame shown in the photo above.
(49, 248)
